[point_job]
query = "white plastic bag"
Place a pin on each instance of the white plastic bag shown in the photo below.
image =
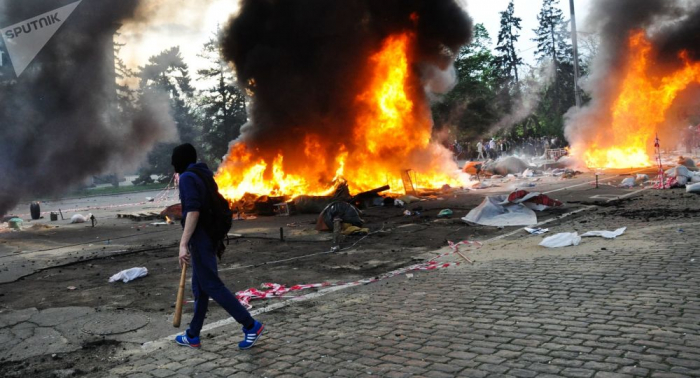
(563, 239)
(678, 171)
(78, 218)
(528, 173)
(693, 188)
(129, 275)
(606, 234)
(627, 183)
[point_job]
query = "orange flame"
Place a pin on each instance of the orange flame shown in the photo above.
(391, 134)
(639, 109)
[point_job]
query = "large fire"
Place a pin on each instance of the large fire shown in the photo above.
(640, 109)
(392, 133)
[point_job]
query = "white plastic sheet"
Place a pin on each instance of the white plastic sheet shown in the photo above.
(563, 239)
(493, 212)
(606, 234)
(129, 275)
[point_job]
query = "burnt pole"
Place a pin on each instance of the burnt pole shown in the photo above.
(574, 42)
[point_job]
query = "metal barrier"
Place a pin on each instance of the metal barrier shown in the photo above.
(555, 154)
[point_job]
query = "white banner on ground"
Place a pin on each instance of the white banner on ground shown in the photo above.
(25, 39)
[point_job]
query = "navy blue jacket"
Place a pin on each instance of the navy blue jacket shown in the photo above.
(193, 194)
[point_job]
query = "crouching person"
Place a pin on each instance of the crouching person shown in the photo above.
(199, 247)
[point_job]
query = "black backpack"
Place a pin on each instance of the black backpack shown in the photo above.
(217, 218)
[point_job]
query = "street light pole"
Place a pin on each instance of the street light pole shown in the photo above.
(574, 41)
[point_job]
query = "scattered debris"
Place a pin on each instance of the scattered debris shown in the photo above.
(343, 210)
(173, 212)
(143, 216)
(563, 239)
(15, 223)
(367, 199)
(446, 213)
(606, 234)
(71, 288)
(534, 200)
(312, 204)
(348, 229)
(40, 226)
(409, 199)
(129, 275)
(536, 231)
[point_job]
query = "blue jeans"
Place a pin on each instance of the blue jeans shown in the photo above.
(206, 283)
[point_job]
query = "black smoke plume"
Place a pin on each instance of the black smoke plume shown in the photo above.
(305, 62)
(58, 124)
(671, 26)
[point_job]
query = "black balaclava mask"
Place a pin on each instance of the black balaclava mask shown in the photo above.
(183, 156)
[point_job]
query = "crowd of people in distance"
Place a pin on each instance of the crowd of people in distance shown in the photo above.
(484, 149)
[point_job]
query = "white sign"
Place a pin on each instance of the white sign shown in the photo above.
(25, 39)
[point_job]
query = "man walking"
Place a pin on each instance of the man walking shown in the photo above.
(480, 149)
(197, 246)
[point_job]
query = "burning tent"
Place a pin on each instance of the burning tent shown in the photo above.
(647, 68)
(339, 92)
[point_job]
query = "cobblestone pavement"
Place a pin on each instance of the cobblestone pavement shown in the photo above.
(609, 313)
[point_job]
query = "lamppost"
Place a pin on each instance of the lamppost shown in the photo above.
(574, 40)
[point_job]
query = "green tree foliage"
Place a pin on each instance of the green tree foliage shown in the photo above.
(223, 105)
(553, 44)
(469, 108)
(167, 73)
(507, 59)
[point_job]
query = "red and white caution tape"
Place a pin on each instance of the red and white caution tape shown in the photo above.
(274, 290)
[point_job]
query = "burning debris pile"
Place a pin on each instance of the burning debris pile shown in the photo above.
(57, 119)
(339, 94)
(649, 61)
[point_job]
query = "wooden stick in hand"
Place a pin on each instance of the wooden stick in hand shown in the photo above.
(180, 297)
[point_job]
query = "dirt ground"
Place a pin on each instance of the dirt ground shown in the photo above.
(83, 257)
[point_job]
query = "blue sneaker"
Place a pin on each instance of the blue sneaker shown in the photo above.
(251, 336)
(192, 342)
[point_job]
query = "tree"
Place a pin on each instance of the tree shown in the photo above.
(553, 43)
(167, 73)
(469, 107)
(507, 59)
(126, 97)
(223, 105)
